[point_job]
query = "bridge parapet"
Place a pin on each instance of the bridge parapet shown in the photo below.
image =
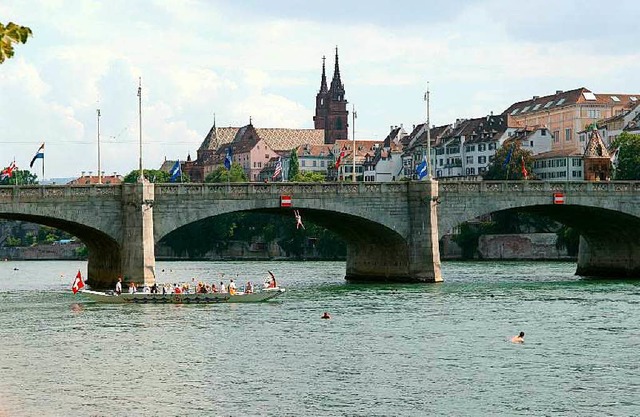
(244, 190)
(33, 193)
(539, 186)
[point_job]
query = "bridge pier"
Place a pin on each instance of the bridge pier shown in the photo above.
(609, 258)
(137, 256)
(416, 259)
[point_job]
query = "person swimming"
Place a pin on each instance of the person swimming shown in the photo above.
(518, 339)
(325, 315)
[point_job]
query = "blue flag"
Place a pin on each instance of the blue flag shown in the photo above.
(228, 159)
(38, 155)
(508, 158)
(421, 169)
(175, 172)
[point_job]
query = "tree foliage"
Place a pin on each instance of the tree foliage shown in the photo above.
(155, 176)
(512, 170)
(235, 174)
(308, 176)
(21, 177)
(294, 164)
(628, 166)
(10, 35)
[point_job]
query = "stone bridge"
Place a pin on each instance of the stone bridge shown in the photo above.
(607, 215)
(387, 226)
(391, 229)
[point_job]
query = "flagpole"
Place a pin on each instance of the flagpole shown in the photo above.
(353, 109)
(140, 123)
(16, 168)
(99, 173)
(43, 162)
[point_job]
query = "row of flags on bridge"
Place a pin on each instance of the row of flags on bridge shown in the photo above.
(9, 171)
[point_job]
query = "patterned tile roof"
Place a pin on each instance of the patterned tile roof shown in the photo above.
(280, 139)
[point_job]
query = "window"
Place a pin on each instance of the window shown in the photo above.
(556, 136)
(593, 113)
(482, 159)
(536, 107)
(560, 102)
(469, 159)
(531, 143)
(302, 162)
(338, 124)
(313, 163)
(266, 156)
(322, 164)
(583, 137)
(492, 146)
(543, 132)
(515, 111)
(482, 147)
(546, 106)
(567, 135)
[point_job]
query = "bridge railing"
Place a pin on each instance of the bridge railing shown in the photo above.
(539, 186)
(52, 192)
(279, 188)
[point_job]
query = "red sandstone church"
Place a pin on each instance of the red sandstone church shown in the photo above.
(258, 149)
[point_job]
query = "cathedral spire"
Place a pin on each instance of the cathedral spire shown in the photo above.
(323, 81)
(337, 89)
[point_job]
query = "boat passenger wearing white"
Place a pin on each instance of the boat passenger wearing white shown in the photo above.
(132, 288)
(119, 286)
(232, 287)
(223, 289)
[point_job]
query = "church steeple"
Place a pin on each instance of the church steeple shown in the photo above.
(332, 115)
(323, 81)
(337, 89)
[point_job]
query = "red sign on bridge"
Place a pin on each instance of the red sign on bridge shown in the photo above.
(558, 198)
(285, 201)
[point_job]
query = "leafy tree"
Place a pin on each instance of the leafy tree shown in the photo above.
(294, 164)
(22, 177)
(628, 166)
(498, 170)
(308, 176)
(568, 238)
(222, 174)
(155, 176)
(10, 34)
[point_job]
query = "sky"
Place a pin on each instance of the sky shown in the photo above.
(262, 60)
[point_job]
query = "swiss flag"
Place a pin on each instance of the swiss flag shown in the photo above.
(78, 283)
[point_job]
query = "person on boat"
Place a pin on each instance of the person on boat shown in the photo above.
(325, 315)
(132, 288)
(271, 282)
(119, 286)
(177, 289)
(232, 287)
(223, 289)
(154, 288)
(518, 338)
(248, 289)
(213, 287)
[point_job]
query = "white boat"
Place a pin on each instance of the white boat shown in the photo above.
(208, 298)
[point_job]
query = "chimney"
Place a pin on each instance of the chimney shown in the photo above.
(537, 97)
(391, 128)
(558, 92)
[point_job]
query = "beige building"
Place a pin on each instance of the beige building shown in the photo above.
(566, 113)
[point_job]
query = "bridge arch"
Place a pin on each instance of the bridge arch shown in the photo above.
(609, 227)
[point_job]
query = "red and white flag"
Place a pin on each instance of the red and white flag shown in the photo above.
(339, 160)
(78, 283)
(525, 173)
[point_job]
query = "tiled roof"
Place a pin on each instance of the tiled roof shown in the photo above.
(314, 150)
(219, 136)
(558, 153)
(572, 97)
(595, 147)
(280, 139)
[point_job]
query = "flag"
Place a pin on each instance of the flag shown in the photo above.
(508, 158)
(8, 171)
(175, 172)
(78, 284)
(278, 170)
(614, 158)
(39, 154)
(228, 158)
(421, 169)
(339, 160)
(525, 173)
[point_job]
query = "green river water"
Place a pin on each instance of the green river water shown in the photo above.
(404, 350)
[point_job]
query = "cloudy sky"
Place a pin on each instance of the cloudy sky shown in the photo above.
(262, 59)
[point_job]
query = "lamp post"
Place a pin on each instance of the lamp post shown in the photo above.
(426, 98)
(141, 179)
(355, 116)
(99, 171)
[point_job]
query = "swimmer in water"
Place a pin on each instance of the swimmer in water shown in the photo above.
(518, 339)
(325, 316)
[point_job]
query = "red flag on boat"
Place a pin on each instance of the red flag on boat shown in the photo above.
(78, 283)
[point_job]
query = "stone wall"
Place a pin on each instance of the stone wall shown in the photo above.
(536, 246)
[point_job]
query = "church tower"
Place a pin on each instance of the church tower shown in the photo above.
(331, 107)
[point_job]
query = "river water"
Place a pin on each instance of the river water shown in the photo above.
(406, 350)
